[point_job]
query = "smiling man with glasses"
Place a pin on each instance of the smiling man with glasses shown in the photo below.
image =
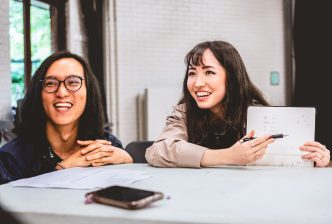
(62, 123)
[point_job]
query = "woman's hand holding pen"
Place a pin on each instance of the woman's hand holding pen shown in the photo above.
(242, 153)
(317, 153)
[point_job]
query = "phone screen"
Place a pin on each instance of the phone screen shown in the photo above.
(124, 193)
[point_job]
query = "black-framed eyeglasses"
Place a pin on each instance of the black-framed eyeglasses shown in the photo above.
(72, 83)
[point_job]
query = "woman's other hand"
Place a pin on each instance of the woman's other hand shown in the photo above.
(101, 152)
(317, 153)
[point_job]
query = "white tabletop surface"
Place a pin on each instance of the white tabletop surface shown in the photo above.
(210, 195)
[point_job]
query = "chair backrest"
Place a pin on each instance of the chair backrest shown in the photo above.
(6, 131)
(137, 150)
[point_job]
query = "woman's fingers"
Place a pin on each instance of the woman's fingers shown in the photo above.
(313, 143)
(315, 148)
(317, 153)
(250, 134)
(260, 153)
(260, 140)
(259, 146)
(312, 155)
(260, 143)
(308, 148)
(255, 156)
(320, 159)
(249, 151)
(319, 162)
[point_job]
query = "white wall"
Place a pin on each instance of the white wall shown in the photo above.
(5, 77)
(153, 36)
(76, 36)
(148, 40)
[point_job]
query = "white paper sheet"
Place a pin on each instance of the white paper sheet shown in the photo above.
(83, 178)
(296, 122)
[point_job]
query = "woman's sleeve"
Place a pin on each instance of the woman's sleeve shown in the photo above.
(172, 148)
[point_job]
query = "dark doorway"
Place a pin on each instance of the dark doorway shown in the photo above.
(313, 48)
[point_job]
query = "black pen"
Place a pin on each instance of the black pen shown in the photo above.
(272, 136)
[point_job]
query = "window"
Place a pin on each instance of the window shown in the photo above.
(33, 37)
(16, 49)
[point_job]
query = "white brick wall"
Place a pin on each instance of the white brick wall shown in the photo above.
(153, 37)
(76, 37)
(5, 77)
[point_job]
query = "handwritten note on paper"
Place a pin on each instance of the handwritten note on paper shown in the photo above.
(83, 178)
(296, 122)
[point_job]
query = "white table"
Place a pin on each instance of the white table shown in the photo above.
(210, 195)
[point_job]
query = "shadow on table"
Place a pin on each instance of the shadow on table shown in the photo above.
(8, 218)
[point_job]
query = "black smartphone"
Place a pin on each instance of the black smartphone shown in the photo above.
(124, 197)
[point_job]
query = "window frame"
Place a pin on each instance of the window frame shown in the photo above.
(58, 25)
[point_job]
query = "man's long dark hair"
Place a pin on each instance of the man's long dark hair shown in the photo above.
(240, 93)
(33, 117)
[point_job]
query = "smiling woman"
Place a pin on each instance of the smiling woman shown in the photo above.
(62, 123)
(207, 124)
(205, 80)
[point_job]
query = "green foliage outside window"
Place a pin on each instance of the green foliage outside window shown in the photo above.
(40, 28)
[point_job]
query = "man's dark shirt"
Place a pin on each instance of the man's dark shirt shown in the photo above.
(19, 159)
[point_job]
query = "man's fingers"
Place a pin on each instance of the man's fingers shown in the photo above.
(104, 148)
(104, 160)
(104, 142)
(98, 155)
(91, 147)
(88, 142)
(97, 164)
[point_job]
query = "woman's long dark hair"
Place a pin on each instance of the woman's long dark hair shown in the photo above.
(33, 117)
(240, 93)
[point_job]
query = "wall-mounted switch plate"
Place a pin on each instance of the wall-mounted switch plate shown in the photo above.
(274, 78)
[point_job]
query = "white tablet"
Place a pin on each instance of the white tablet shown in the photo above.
(298, 123)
